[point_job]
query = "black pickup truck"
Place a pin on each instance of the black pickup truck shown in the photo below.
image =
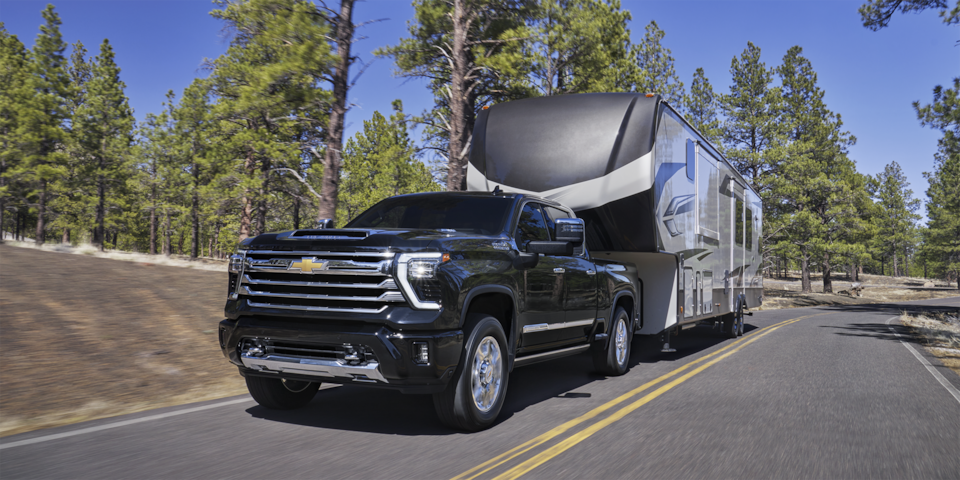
(441, 293)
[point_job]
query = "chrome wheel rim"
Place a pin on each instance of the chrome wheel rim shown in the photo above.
(620, 341)
(486, 374)
(295, 386)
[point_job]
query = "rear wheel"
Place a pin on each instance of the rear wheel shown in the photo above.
(733, 322)
(475, 395)
(281, 394)
(614, 359)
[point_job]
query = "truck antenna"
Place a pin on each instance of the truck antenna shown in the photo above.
(497, 191)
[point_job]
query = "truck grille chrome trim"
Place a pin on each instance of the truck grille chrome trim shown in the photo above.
(312, 308)
(394, 296)
(345, 282)
(387, 284)
(314, 367)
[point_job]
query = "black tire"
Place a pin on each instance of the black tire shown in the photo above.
(277, 394)
(474, 396)
(614, 360)
(733, 322)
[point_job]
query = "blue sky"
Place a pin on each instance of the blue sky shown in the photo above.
(870, 78)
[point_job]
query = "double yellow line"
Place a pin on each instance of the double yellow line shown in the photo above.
(539, 459)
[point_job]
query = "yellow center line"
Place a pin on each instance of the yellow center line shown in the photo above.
(556, 431)
(569, 442)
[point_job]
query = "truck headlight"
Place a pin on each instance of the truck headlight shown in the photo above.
(417, 274)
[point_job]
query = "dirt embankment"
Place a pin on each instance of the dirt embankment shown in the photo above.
(87, 338)
(785, 292)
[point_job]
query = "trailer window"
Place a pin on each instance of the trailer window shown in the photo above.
(691, 160)
(738, 214)
(749, 234)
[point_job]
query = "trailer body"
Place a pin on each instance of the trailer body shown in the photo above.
(651, 189)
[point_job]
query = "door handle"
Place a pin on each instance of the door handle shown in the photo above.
(558, 270)
(591, 272)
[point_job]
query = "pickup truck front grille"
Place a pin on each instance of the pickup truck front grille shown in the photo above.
(354, 282)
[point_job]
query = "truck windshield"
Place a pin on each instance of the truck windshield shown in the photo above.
(473, 214)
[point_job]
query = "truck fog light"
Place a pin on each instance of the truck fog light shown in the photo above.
(252, 348)
(421, 353)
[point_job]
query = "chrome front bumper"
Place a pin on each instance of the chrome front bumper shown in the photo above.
(369, 373)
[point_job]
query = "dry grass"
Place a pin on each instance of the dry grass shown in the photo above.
(940, 334)
(203, 263)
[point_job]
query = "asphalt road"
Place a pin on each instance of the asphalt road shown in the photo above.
(807, 393)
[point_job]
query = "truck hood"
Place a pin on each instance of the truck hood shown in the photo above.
(344, 239)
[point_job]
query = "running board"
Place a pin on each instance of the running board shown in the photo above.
(545, 356)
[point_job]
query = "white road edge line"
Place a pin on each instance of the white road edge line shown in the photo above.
(940, 378)
(83, 431)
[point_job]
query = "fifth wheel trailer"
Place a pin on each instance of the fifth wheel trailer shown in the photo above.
(652, 192)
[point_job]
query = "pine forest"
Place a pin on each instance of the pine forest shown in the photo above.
(256, 144)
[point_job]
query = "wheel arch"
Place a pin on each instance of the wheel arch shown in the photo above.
(499, 302)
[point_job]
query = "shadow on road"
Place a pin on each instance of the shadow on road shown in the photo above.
(373, 410)
(881, 330)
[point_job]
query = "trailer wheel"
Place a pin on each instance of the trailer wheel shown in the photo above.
(733, 322)
(614, 359)
(475, 395)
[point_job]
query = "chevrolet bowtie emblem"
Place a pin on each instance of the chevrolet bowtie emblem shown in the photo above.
(307, 265)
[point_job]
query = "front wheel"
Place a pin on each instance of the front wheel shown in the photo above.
(613, 360)
(281, 394)
(475, 395)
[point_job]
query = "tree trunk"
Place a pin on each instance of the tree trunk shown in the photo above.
(41, 213)
(330, 183)
(167, 247)
(246, 215)
(195, 213)
(896, 272)
(296, 214)
(805, 286)
(180, 243)
(100, 235)
(827, 280)
(153, 230)
(461, 107)
(853, 273)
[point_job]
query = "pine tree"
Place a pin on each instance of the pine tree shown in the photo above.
(897, 215)
(574, 46)
(876, 14)
(815, 194)
(941, 248)
(269, 76)
(701, 106)
(193, 128)
(380, 162)
(458, 46)
(42, 116)
(752, 131)
(14, 70)
(654, 68)
(104, 127)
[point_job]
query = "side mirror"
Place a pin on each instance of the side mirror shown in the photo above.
(550, 248)
(325, 223)
(524, 261)
(569, 230)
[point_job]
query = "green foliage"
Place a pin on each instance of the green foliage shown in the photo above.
(380, 162)
(876, 14)
(815, 198)
(896, 222)
(14, 65)
(41, 118)
(753, 133)
(574, 46)
(654, 72)
(701, 106)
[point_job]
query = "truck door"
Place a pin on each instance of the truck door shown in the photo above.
(580, 287)
(542, 303)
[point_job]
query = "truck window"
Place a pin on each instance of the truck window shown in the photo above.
(691, 160)
(531, 226)
(483, 215)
